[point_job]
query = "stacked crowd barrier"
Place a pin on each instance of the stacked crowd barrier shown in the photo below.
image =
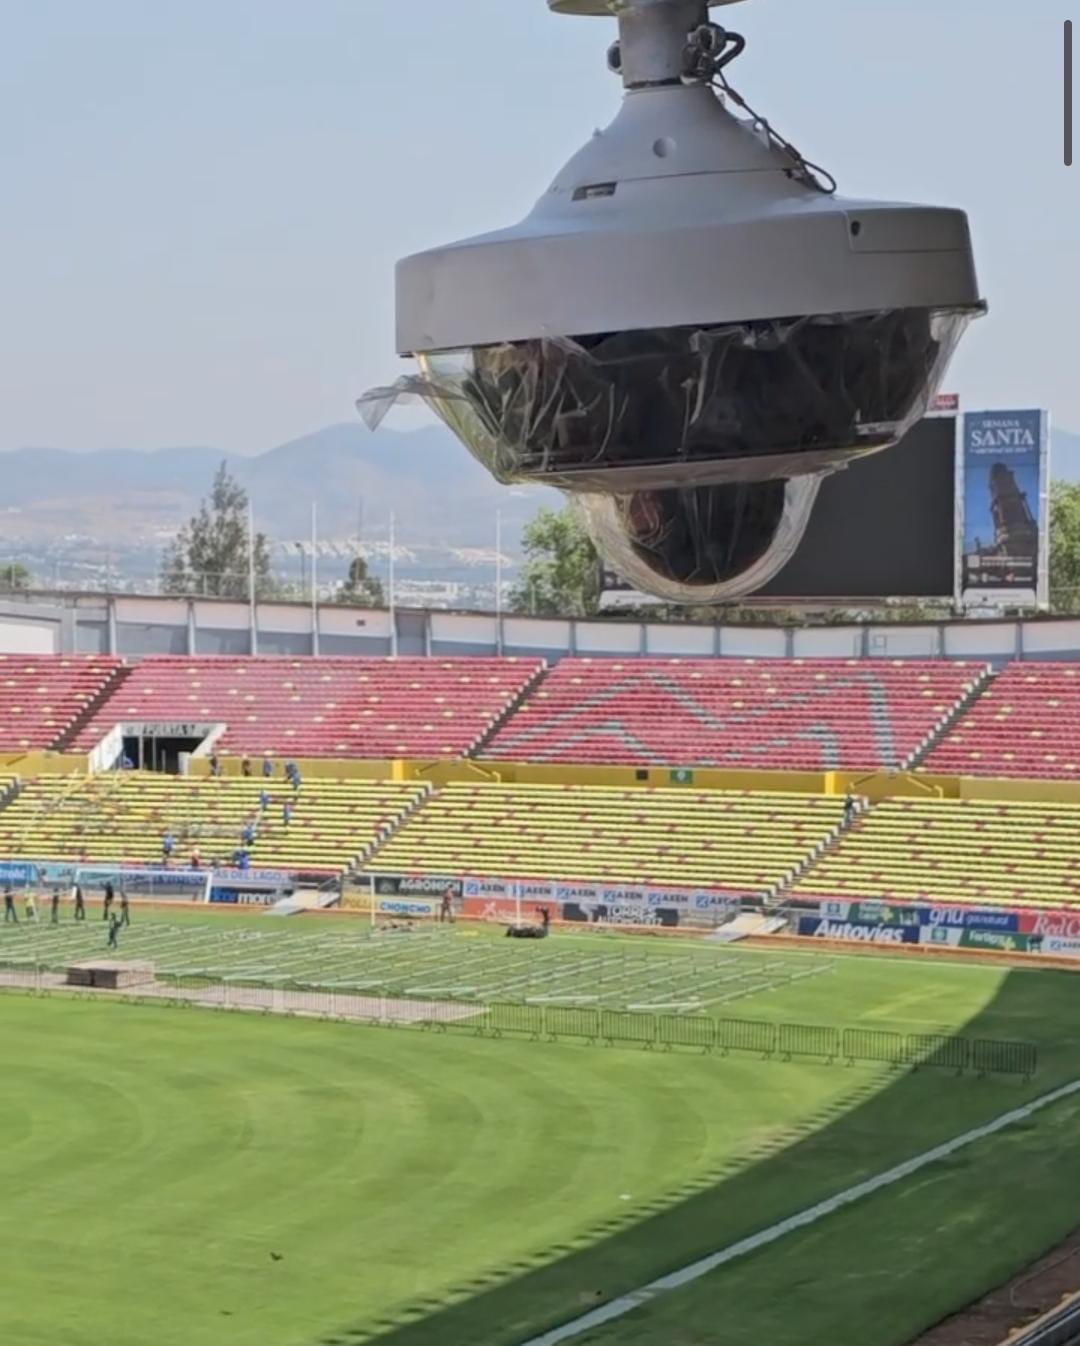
(1026, 725)
(331, 707)
(972, 852)
(772, 714)
(43, 697)
(725, 842)
(123, 817)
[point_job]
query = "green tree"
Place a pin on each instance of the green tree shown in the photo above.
(361, 589)
(1065, 547)
(14, 575)
(561, 575)
(209, 555)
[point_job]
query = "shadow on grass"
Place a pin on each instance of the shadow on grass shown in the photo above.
(885, 1119)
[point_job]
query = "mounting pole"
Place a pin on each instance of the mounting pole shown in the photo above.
(653, 37)
(652, 34)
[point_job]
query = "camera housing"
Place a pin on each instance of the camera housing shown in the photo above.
(690, 329)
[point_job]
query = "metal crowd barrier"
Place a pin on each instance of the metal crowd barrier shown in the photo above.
(583, 1023)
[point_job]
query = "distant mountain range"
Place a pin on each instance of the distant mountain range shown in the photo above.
(438, 492)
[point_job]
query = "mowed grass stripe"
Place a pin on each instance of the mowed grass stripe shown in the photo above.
(156, 1160)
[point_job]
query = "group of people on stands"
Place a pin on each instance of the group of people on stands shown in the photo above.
(241, 857)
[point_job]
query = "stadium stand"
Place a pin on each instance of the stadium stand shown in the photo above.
(770, 714)
(1027, 724)
(45, 698)
(332, 707)
(122, 817)
(972, 852)
(727, 842)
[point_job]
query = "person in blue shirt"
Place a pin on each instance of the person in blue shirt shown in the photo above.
(267, 767)
(168, 845)
(287, 810)
(248, 834)
(264, 800)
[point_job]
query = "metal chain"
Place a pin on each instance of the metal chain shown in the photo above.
(710, 49)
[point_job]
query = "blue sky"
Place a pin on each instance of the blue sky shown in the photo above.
(203, 199)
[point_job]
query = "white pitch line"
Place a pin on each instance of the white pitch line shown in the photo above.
(625, 1304)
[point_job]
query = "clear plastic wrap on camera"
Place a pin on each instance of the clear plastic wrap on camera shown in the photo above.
(683, 406)
(702, 544)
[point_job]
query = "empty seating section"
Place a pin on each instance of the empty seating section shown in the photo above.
(344, 707)
(123, 818)
(1027, 724)
(977, 852)
(775, 714)
(738, 843)
(43, 696)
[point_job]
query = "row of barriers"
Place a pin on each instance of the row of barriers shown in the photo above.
(587, 1024)
(785, 1041)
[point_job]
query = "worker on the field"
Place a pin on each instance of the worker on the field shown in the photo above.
(10, 914)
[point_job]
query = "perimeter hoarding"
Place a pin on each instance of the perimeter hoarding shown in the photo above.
(995, 929)
(1004, 491)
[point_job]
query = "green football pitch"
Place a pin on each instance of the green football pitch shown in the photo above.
(203, 1179)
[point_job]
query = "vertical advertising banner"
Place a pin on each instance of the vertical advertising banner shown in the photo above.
(1004, 532)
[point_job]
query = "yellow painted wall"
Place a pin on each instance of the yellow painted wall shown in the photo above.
(43, 763)
(874, 786)
(1036, 791)
(328, 768)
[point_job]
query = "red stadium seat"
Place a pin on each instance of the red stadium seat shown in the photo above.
(1026, 725)
(771, 714)
(44, 697)
(333, 707)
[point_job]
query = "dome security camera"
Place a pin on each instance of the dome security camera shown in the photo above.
(690, 330)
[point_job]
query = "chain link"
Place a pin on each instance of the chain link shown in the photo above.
(709, 50)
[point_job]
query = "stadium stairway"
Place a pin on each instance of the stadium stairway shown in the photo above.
(509, 711)
(949, 721)
(109, 688)
(776, 898)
